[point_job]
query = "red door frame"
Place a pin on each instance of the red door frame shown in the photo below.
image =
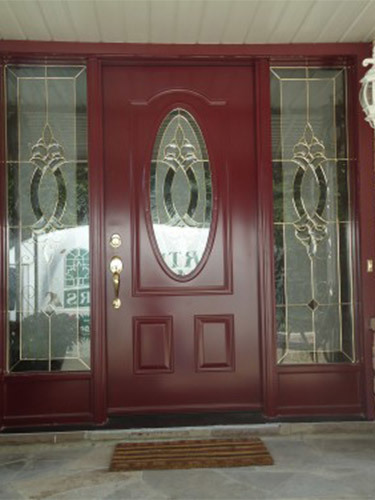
(95, 55)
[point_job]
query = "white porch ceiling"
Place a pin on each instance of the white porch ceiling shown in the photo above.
(189, 21)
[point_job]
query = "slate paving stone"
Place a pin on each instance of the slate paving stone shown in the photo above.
(298, 453)
(266, 481)
(72, 485)
(363, 483)
(307, 467)
(316, 485)
(199, 484)
(9, 493)
(135, 490)
(10, 471)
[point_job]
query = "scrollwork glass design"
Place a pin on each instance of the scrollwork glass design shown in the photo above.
(309, 155)
(181, 192)
(312, 222)
(48, 262)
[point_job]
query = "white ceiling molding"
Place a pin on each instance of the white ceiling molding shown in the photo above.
(189, 21)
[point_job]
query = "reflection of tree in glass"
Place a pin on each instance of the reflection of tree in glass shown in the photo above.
(61, 327)
(13, 199)
(82, 194)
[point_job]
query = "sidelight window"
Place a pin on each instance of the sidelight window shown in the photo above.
(48, 235)
(312, 228)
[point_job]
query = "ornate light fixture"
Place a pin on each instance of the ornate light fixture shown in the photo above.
(367, 93)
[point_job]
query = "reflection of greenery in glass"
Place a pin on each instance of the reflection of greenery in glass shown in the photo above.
(82, 196)
(64, 334)
(12, 196)
(278, 193)
(35, 339)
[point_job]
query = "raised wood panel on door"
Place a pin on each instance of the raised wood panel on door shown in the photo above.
(214, 343)
(153, 345)
(319, 390)
(162, 355)
(47, 399)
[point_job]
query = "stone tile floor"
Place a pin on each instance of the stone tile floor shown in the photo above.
(329, 466)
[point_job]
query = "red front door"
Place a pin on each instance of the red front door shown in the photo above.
(184, 338)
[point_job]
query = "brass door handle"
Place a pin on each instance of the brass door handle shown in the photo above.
(116, 267)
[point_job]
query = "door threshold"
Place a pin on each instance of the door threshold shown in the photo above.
(240, 431)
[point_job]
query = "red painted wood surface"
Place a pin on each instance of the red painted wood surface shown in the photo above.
(362, 137)
(97, 243)
(157, 340)
(322, 390)
(32, 399)
(329, 52)
(267, 306)
(285, 390)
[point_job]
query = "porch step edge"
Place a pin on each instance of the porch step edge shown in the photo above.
(202, 432)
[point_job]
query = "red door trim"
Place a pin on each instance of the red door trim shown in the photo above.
(98, 263)
(265, 231)
(365, 234)
(279, 52)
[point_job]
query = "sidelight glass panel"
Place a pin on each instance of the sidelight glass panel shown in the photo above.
(312, 229)
(181, 192)
(48, 232)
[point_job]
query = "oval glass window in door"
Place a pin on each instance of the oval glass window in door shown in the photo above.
(181, 192)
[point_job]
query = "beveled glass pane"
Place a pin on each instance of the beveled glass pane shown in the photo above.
(279, 264)
(326, 269)
(344, 247)
(181, 192)
(276, 116)
(322, 114)
(282, 347)
(48, 233)
(300, 336)
(278, 192)
(297, 270)
(327, 328)
(343, 191)
(313, 266)
(293, 115)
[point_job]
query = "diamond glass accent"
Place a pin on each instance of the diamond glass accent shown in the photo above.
(181, 192)
(313, 304)
(312, 216)
(48, 257)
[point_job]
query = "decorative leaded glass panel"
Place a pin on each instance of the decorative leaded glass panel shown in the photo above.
(312, 230)
(48, 257)
(181, 192)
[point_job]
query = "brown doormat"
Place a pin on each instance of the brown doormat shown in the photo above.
(190, 454)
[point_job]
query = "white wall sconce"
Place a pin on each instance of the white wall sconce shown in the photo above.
(367, 93)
